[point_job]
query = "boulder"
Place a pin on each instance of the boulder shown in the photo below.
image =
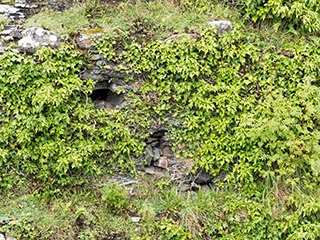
(221, 26)
(36, 37)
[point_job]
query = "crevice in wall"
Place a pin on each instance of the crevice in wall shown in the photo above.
(105, 98)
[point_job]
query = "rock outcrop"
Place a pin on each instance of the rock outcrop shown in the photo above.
(35, 37)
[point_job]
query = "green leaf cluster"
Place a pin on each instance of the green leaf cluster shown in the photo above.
(51, 134)
(248, 115)
(296, 216)
(295, 14)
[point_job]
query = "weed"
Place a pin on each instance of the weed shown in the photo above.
(115, 197)
(3, 22)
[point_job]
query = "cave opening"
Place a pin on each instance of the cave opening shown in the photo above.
(105, 98)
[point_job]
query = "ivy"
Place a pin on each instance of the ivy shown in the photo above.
(240, 112)
(295, 15)
(245, 114)
(51, 134)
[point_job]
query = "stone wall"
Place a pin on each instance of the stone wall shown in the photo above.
(158, 158)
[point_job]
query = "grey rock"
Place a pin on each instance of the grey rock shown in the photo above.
(150, 170)
(114, 73)
(149, 150)
(205, 188)
(101, 62)
(10, 12)
(202, 177)
(102, 74)
(221, 26)
(155, 144)
(148, 160)
(36, 37)
(85, 41)
(96, 57)
(162, 162)
(7, 9)
(11, 32)
(184, 188)
(151, 139)
(88, 74)
(118, 83)
(56, 5)
(26, 4)
(149, 155)
(99, 104)
(101, 85)
(156, 153)
(115, 99)
(2, 237)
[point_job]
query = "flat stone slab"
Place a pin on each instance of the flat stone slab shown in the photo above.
(10, 12)
(25, 4)
(7, 9)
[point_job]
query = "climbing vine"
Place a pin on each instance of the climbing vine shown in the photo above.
(51, 134)
(246, 114)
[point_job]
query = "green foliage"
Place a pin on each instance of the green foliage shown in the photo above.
(169, 230)
(279, 214)
(245, 218)
(8, 1)
(60, 22)
(93, 9)
(49, 124)
(239, 111)
(142, 20)
(3, 23)
(295, 14)
(242, 107)
(116, 197)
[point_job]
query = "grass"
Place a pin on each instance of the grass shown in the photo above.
(165, 214)
(159, 19)
(106, 212)
(60, 22)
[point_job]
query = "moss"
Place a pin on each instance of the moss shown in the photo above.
(93, 31)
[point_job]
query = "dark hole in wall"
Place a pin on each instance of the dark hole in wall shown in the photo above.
(99, 94)
(105, 98)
